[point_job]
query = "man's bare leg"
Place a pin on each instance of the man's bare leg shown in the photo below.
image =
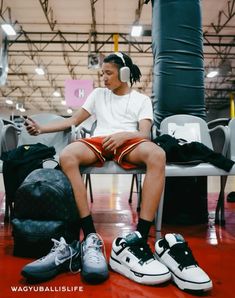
(143, 267)
(94, 264)
(153, 157)
(73, 156)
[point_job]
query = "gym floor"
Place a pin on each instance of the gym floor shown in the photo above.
(212, 246)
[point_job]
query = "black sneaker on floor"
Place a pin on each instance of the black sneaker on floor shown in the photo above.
(173, 251)
(62, 257)
(131, 256)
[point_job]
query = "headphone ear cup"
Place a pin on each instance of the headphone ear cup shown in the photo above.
(124, 74)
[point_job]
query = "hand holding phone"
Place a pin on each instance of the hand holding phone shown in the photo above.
(32, 127)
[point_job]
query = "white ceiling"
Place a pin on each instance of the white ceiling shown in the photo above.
(58, 38)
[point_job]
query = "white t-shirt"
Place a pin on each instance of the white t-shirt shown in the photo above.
(117, 113)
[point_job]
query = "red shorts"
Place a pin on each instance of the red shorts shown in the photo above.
(95, 144)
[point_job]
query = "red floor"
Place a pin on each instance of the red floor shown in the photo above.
(213, 247)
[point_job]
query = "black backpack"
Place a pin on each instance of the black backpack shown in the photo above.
(21, 161)
(44, 208)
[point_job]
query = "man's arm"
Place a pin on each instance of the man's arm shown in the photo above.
(34, 128)
(115, 140)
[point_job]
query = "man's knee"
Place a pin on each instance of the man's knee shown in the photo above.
(77, 154)
(68, 158)
(156, 157)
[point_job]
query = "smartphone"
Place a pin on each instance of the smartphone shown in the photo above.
(26, 123)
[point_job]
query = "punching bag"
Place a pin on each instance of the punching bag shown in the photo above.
(178, 88)
(178, 75)
(3, 59)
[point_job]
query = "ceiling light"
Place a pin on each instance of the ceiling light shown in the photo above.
(136, 30)
(9, 101)
(56, 93)
(40, 71)
(63, 102)
(69, 111)
(22, 110)
(8, 29)
(212, 74)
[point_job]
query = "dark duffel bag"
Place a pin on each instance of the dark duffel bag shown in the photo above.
(44, 208)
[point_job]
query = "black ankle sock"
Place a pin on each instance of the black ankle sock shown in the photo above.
(143, 227)
(87, 225)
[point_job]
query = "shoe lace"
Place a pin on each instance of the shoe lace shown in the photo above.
(142, 251)
(60, 246)
(92, 246)
(71, 261)
(183, 255)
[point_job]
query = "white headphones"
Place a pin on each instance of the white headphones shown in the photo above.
(124, 72)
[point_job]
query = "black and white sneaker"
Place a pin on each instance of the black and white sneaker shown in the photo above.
(173, 251)
(62, 257)
(132, 257)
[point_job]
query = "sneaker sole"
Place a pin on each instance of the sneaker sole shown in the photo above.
(46, 275)
(94, 278)
(138, 277)
(42, 276)
(185, 284)
(193, 286)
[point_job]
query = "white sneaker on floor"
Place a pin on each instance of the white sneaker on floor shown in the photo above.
(62, 257)
(93, 260)
(173, 251)
(132, 257)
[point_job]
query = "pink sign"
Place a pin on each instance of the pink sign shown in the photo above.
(76, 92)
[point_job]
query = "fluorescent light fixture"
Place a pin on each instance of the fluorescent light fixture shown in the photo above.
(8, 29)
(69, 111)
(63, 102)
(40, 71)
(212, 74)
(9, 101)
(56, 93)
(136, 30)
(22, 110)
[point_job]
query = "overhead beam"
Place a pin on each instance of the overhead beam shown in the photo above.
(93, 25)
(138, 11)
(222, 50)
(48, 12)
(224, 16)
(67, 61)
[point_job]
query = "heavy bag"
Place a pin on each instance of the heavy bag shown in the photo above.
(178, 88)
(45, 196)
(178, 75)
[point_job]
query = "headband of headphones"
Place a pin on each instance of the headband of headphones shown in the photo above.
(120, 55)
(124, 71)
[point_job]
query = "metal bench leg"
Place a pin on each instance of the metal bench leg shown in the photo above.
(158, 216)
(8, 215)
(219, 212)
(7, 210)
(88, 183)
(132, 187)
(139, 190)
